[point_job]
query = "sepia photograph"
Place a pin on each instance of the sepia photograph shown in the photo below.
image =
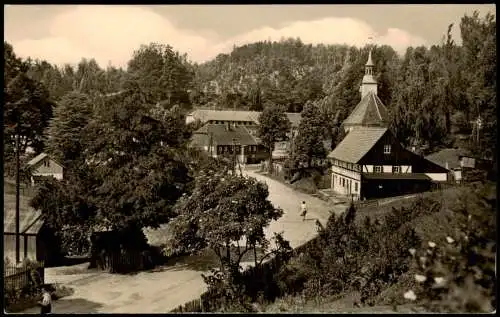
(305, 158)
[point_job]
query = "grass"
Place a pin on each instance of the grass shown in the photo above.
(304, 185)
(447, 197)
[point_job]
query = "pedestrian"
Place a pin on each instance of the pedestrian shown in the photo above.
(303, 207)
(46, 302)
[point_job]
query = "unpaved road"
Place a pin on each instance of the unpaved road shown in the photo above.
(163, 289)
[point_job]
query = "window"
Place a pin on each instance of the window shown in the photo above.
(396, 169)
(343, 182)
(377, 169)
(46, 163)
(356, 186)
(387, 149)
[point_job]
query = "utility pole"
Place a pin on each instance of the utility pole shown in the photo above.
(18, 258)
(479, 124)
(211, 144)
(234, 156)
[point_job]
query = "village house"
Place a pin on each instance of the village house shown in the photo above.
(221, 140)
(42, 166)
(370, 162)
(250, 120)
(461, 164)
(451, 159)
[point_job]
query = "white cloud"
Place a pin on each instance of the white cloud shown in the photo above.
(112, 33)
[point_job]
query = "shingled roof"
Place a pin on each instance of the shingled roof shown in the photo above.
(30, 220)
(370, 112)
(205, 115)
(222, 136)
(37, 159)
(225, 115)
(357, 143)
(450, 156)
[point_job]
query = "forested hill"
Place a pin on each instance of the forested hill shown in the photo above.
(289, 73)
(434, 93)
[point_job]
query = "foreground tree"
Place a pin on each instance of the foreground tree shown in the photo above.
(228, 214)
(134, 171)
(273, 127)
(138, 160)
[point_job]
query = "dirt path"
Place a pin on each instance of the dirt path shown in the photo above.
(162, 290)
(295, 230)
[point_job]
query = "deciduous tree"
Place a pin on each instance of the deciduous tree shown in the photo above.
(309, 141)
(274, 126)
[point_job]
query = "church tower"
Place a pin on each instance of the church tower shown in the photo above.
(369, 84)
(370, 111)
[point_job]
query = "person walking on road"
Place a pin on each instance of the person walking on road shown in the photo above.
(46, 302)
(303, 208)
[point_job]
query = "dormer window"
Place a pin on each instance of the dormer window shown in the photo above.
(387, 149)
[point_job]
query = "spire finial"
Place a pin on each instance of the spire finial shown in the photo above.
(370, 61)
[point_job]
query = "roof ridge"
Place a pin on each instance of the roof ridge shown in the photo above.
(376, 105)
(28, 227)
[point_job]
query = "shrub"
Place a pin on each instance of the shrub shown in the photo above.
(459, 273)
(18, 297)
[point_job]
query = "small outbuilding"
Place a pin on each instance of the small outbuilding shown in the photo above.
(36, 241)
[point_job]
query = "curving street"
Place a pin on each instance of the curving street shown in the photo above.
(165, 288)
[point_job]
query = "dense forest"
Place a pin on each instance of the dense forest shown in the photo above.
(435, 94)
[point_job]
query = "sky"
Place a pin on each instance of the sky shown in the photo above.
(110, 33)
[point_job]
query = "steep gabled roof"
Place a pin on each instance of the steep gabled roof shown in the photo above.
(370, 112)
(37, 159)
(357, 143)
(30, 220)
(450, 156)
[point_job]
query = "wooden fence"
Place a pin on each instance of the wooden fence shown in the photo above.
(21, 277)
(117, 262)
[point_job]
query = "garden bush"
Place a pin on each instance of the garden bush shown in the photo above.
(458, 273)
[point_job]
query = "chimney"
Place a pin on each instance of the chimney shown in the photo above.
(447, 166)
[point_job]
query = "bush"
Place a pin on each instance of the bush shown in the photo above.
(19, 297)
(459, 273)
(367, 257)
(291, 278)
(226, 292)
